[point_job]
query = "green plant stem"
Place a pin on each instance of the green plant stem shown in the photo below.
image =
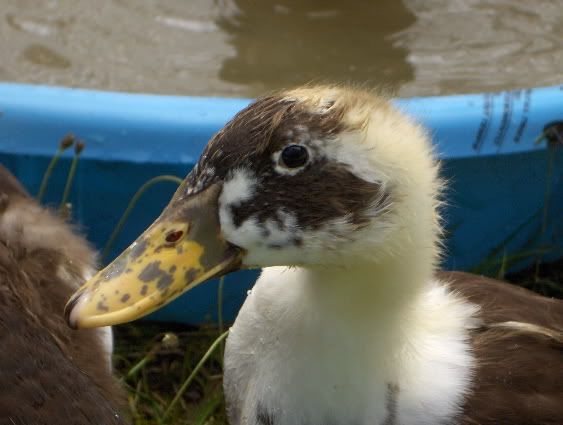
(503, 264)
(190, 378)
(131, 205)
(147, 358)
(491, 259)
(48, 173)
(209, 408)
(69, 180)
(64, 144)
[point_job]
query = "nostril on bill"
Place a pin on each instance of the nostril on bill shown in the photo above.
(174, 236)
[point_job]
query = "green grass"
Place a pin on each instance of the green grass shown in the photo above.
(157, 363)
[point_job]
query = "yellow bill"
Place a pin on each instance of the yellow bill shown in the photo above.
(181, 249)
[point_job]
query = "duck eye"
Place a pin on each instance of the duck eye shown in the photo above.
(294, 156)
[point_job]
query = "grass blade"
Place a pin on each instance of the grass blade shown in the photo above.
(190, 378)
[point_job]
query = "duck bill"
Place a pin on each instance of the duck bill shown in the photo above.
(180, 250)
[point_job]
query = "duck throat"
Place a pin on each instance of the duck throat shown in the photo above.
(366, 292)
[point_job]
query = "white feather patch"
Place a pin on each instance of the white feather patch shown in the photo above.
(237, 188)
(297, 358)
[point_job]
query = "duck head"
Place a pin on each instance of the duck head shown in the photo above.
(312, 177)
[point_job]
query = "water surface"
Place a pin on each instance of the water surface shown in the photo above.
(245, 47)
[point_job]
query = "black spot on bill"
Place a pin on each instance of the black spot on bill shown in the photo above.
(101, 306)
(151, 271)
(164, 281)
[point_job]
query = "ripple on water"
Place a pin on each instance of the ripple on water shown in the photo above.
(39, 54)
(32, 26)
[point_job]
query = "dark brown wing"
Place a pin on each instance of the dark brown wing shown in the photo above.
(519, 351)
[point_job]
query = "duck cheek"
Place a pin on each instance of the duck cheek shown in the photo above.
(267, 242)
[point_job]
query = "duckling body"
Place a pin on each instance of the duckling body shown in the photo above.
(48, 373)
(336, 195)
(360, 329)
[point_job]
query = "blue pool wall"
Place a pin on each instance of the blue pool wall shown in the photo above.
(500, 179)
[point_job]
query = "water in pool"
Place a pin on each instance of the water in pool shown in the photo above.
(245, 47)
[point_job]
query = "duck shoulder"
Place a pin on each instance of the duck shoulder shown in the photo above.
(518, 350)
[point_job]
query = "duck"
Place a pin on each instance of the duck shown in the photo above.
(336, 195)
(48, 374)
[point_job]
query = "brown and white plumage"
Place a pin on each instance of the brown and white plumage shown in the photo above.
(445, 348)
(335, 193)
(518, 348)
(48, 373)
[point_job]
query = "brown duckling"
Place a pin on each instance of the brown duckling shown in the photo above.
(48, 373)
